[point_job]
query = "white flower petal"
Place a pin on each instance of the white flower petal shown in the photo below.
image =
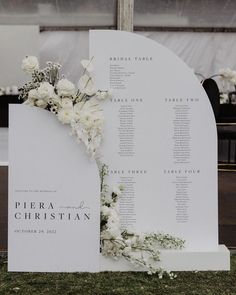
(30, 64)
(66, 103)
(65, 88)
(65, 115)
(45, 91)
(87, 64)
(86, 85)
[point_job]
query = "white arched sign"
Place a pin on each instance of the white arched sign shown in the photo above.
(160, 139)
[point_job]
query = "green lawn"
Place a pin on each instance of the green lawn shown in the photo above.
(128, 283)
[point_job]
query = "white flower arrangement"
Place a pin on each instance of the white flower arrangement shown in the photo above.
(79, 108)
(140, 249)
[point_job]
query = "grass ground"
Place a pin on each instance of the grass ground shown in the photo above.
(118, 283)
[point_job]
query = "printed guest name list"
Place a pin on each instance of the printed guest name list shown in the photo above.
(156, 120)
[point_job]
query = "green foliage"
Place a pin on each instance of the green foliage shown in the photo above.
(117, 283)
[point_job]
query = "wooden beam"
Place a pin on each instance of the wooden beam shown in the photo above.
(74, 28)
(185, 29)
(125, 12)
(142, 29)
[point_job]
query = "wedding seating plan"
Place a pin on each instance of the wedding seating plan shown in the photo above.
(118, 182)
(160, 139)
(54, 212)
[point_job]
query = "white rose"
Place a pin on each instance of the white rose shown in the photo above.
(65, 115)
(41, 103)
(56, 99)
(30, 64)
(45, 91)
(33, 94)
(65, 88)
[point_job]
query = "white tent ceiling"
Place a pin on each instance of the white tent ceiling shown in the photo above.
(187, 13)
(183, 13)
(205, 52)
(58, 12)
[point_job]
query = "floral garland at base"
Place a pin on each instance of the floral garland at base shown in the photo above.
(140, 249)
(80, 108)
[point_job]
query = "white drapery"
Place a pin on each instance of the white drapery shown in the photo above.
(67, 48)
(206, 53)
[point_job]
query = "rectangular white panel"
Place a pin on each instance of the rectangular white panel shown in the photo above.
(54, 208)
